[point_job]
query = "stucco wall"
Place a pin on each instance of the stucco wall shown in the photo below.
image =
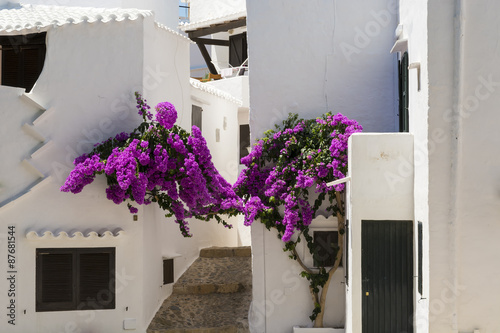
(453, 118)
(221, 130)
(466, 289)
(311, 58)
(16, 176)
(320, 56)
(427, 139)
(374, 163)
(87, 85)
(478, 200)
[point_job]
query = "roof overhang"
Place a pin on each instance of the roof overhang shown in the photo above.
(218, 27)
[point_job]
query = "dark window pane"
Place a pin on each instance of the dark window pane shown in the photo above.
(244, 140)
(196, 117)
(325, 247)
(238, 49)
(168, 271)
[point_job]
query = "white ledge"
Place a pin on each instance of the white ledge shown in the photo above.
(74, 235)
(30, 100)
(31, 130)
(214, 91)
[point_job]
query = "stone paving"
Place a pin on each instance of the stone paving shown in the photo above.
(212, 296)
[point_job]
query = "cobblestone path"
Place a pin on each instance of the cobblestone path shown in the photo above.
(212, 296)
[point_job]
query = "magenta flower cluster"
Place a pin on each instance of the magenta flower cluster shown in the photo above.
(166, 115)
(159, 163)
(288, 164)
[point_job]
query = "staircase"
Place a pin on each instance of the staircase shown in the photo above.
(212, 296)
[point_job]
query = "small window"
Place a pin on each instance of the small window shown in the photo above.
(75, 279)
(196, 117)
(168, 271)
(244, 140)
(22, 59)
(326, 246)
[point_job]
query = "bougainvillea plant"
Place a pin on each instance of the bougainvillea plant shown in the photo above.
(284, 185)
(160, 163)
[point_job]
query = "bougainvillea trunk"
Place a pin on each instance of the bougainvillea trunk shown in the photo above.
(338, 259)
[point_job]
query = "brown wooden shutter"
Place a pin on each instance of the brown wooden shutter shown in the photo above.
(75, 279)
(11, 71)
(238, 52)
(95, 277)
(23, 58)
(55, 280)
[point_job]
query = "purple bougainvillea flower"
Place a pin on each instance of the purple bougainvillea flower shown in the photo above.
(166, 115)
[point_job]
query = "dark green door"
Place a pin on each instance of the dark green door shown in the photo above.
(387, 276)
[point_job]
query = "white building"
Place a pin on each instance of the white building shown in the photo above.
(435, 188)
(88, 62)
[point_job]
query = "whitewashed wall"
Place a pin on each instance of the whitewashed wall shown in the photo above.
(375, 162)
(311, 58)
(221, 115)
(320, 56)
(456, 192)
(462, 294)
(478, 199)
(428, 137)
(87, 85)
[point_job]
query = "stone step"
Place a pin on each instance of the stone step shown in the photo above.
(213, 313)
(216, 275)
(212, 296)
(220, 252)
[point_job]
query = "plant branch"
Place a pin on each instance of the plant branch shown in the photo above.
(319, 319)
(301, 263)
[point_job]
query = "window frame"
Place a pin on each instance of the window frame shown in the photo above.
(76, 303)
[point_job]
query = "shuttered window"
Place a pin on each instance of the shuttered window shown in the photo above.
(22, 59)
(75, 279)
(196, 117)
(238, 49)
